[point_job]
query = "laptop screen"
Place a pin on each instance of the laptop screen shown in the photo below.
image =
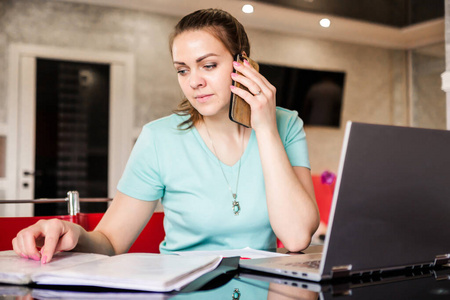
(392, 199)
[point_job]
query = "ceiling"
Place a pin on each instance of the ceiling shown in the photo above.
(379, 23)
(396, 13)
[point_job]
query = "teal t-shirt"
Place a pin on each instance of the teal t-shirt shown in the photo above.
(177, 166)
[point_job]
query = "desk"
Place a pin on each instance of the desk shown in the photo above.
(251, 285)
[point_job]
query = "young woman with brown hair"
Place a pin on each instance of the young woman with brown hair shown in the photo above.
(222, 185)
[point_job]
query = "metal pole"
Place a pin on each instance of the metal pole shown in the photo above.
(73, 199)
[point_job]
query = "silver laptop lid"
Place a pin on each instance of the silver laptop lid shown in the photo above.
(393, 192)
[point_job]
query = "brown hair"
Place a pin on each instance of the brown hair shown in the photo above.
(226, 29)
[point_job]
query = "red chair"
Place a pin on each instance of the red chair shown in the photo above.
(148, 241)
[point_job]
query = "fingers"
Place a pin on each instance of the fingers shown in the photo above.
(256, 83)
(54, 235)
(260, 97)
(27, 241)
(247, 78)
(252, 87)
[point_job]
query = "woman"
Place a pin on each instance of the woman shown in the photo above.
(222, 185)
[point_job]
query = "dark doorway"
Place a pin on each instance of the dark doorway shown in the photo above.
(72, 121)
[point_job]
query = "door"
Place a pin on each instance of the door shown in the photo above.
(22, 109)
(71, 133)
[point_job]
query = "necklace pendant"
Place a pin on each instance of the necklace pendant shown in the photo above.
(236, 294)
(236, 207)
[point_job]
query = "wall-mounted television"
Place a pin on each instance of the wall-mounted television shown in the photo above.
(316, 95)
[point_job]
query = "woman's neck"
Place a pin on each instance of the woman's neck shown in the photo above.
(226, 139)
(222, 126)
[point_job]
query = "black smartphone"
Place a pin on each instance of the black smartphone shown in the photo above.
(240, 111)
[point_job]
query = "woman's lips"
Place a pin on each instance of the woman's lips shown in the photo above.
(203, 98)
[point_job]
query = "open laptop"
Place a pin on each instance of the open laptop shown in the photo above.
(390, 210)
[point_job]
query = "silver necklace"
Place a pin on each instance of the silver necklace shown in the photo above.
(235, 203)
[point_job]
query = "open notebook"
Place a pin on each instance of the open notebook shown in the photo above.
(132, 271)
(390, 207)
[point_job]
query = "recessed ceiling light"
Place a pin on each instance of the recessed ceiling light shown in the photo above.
(325, 22)
(247, 8)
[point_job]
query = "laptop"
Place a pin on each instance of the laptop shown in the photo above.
(390, 209)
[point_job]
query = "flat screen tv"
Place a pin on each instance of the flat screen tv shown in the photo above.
(316, 95)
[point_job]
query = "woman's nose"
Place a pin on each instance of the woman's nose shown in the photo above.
(196, 80)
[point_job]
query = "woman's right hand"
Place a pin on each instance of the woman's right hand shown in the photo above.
(116, 232)
(50, 236)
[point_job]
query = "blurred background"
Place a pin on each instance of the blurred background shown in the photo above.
(78, 79)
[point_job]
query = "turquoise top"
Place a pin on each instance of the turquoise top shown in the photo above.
(178, 167)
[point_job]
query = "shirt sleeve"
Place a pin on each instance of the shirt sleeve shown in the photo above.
(141, 177)
(290, 128)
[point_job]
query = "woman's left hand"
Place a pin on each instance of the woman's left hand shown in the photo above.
(261, 98)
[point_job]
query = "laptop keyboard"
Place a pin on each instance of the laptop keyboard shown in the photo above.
(312, 264)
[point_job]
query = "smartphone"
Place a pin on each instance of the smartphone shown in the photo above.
(239, 109)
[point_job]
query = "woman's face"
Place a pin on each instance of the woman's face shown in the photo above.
(204, 66)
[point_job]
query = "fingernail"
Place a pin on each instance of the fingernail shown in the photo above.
(234, 75)
(36, 257)
(24, 256)
(44, 260)
(236, 64)
(232, 87)
(246, 62)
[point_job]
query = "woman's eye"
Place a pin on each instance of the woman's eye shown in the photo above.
(210, 66)
(182, 72)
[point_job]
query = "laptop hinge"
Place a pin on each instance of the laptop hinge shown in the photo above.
(441, 260)
(341, 271)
